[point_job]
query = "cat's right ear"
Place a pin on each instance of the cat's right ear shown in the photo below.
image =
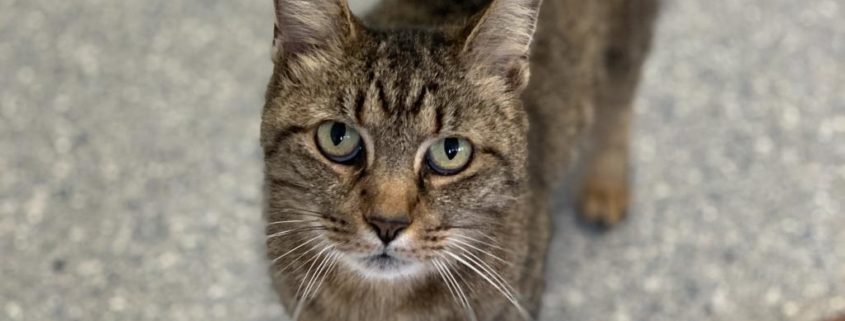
(500, 40)
(305, 26)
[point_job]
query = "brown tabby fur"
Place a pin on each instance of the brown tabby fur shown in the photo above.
(418, 69)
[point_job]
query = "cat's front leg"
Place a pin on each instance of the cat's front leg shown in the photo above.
(605, 194)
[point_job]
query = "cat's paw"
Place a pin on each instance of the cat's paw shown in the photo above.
(604, 201)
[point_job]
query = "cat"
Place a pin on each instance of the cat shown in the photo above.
(409, 161)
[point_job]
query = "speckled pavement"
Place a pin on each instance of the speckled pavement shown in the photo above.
(130, 169)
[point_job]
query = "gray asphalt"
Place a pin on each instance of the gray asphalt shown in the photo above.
(130, 170)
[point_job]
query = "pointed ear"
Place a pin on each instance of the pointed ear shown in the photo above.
(500, 39)
(307, 25)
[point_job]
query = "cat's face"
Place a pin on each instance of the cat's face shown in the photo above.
(389, 154)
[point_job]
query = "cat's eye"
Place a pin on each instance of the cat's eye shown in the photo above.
(449, 156)
(339, 142)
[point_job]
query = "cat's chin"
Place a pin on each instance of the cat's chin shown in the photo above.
(385, 267)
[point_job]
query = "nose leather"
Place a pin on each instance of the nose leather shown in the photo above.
(387, 229)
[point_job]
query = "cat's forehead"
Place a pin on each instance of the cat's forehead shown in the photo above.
(410, 54)
(410, 86)
(402, 88)
(411, 44)
(406, 79)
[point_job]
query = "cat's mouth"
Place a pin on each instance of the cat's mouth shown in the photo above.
(384, 262)
(386, 266)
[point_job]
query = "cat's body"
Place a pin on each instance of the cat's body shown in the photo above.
(473, 243)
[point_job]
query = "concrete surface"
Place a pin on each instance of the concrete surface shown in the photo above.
(130, 171)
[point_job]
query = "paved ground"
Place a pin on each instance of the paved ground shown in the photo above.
(129, 167)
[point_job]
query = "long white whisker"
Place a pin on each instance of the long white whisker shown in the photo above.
(317, 258)
(483, 251)
(329, 269)
(293, 249)
(455, 266)
(300, 211)
(456, 293)
(510, 293)
(460, 290)
(290, 221)
(493, 245)
(439, 269)
(301, 229)
(494, 284)
(491, 239)
(295, 260)
(317, 275)
(300, 304)
(490, 270)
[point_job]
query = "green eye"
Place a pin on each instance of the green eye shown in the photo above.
(449, 156)
(339, 142)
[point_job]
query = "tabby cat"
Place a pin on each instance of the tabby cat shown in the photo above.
(409, 161)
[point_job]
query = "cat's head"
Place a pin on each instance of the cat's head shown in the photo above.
(396, 152)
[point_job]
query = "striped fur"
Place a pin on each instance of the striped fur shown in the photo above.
(413, 71)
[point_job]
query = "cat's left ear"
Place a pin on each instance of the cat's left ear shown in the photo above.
(303, 26)
(499, 41)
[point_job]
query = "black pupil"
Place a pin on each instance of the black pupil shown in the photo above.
(452, 147)
(338, 133)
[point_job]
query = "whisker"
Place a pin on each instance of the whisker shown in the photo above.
(487, 278)
(296, 210)
(297, 230)
(329, 269)
(304, 214)
(297, 260)
(451, 284)
(468, 307)
(439, 269)
(494, 241)
(509, 293)
(308, 276)
(477, 227)
(318, 274)
(294, 249)
(483, 251)
(493, 245)
(455, 266)
(291, 221)
(490, 271)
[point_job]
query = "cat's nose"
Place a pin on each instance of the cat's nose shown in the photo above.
(387, 229)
